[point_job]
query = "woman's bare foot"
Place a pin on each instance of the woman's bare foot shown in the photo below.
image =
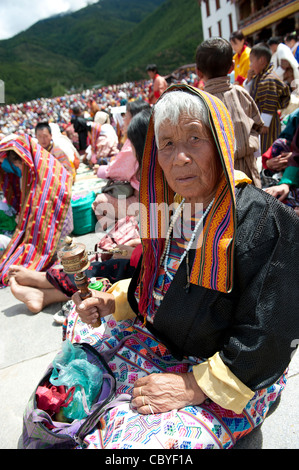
(36, 299)
(33, 298)
(29, 277)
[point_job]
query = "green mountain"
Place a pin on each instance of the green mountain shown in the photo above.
(168, 37)
(108, 42)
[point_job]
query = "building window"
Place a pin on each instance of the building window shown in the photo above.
(210, 31)
(217, 4)
(219, 28)
(230, 20)
(208, 7)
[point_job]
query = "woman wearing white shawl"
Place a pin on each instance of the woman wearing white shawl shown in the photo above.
(281, 54)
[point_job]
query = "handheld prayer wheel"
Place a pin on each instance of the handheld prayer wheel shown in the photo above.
(74, 259)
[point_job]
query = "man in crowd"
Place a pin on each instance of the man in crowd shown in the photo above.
(43, 134)
(159, 84)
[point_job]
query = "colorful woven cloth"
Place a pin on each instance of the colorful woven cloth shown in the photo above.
(212, 267)
(95, 131)
(42, 201)
(270, 94)
(208, 426)
(61, 156)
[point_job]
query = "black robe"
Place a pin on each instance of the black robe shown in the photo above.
(254, 327)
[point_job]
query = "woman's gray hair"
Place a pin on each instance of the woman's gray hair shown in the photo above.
(173, 104)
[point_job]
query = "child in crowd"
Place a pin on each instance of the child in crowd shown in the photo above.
(241, 57)
(214, 61)
(269, 92)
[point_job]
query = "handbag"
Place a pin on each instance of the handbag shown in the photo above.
(269, 179)
(41, 431)
(118, 188)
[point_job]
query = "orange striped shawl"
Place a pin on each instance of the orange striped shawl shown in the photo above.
(212, 267)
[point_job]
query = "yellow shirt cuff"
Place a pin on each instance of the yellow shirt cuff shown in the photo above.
(240, 177)
(123, 309)
(217, 381)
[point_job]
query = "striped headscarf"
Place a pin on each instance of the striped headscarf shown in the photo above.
(213, 264)
(42, 203)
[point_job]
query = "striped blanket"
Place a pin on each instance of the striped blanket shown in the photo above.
(41, 198)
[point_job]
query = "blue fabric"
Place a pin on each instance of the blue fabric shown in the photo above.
(10, 168)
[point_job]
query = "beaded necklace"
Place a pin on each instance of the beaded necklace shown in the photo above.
(165, 254)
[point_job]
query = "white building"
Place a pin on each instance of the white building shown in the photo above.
(218, 18)
(257, 19)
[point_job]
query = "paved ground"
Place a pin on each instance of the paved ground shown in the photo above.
(29, 342)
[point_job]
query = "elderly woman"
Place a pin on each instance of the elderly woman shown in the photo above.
(201, 337)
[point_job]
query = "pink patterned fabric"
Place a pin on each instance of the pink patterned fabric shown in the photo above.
(123, 167)
(104, 142)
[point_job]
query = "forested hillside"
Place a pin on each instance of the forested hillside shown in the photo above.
(108, 42)
(169, 37)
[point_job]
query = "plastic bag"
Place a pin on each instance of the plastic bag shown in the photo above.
(67, 354)
(72, 369)
(51, 399)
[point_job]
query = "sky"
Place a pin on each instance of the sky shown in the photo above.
(18, 15)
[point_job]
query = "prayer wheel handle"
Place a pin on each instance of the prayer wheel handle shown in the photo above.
(74, 259)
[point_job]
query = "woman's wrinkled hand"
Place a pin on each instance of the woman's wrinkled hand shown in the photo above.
(91, 309)
(158, 393)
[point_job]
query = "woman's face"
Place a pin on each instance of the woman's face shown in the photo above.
(237, 45)
(127, 119)
(189, 159)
